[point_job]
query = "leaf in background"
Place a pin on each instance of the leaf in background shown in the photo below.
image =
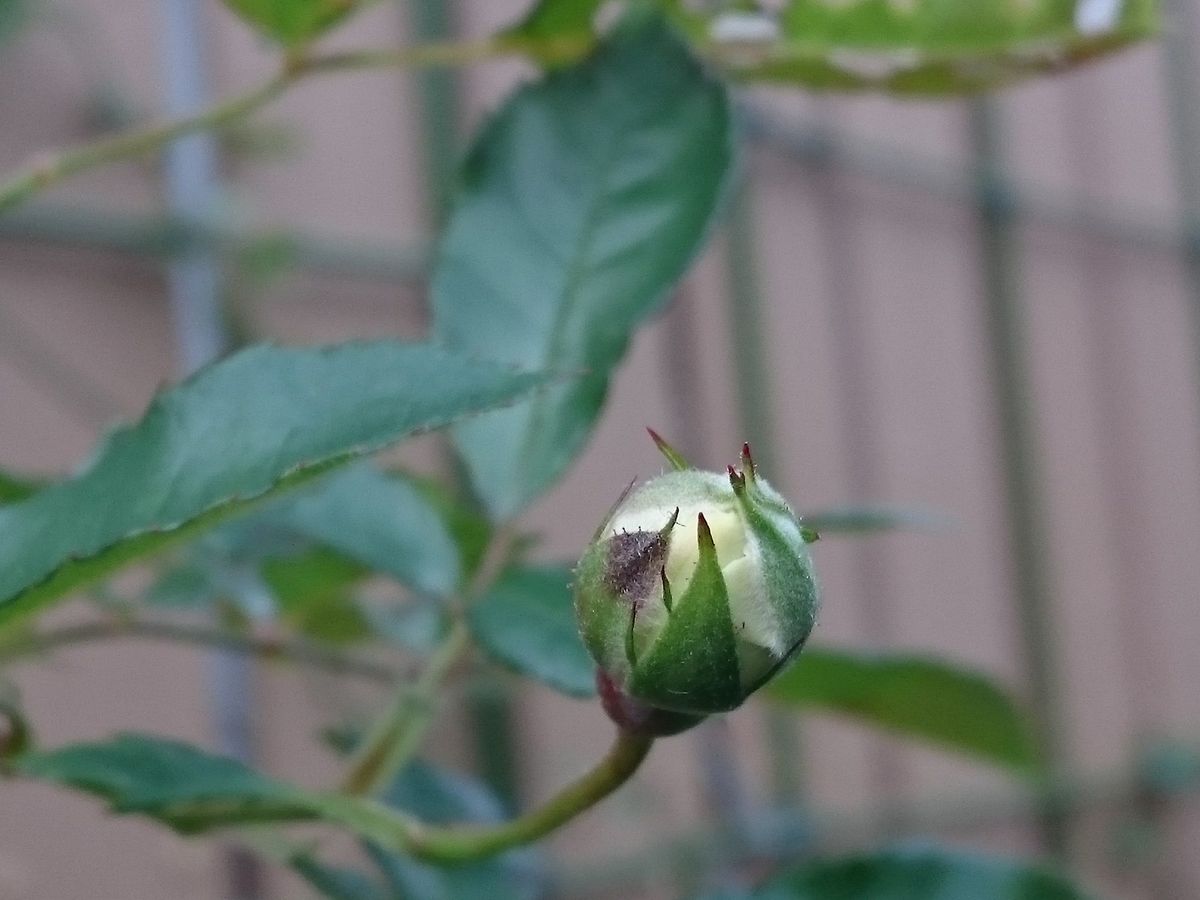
(917, 47)
(869, 519)
(471, 530)
(13, 14)
(582, 204)
(292, 22)
(919, 874)
(173, 782)
(337, 882)
(557, 19)
(380, 521)
(527, 623)
(314, 594)
(440, 797)
(240, 430)
(920, 697)
(13, 489)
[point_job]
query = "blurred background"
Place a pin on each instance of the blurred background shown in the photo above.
(984, 310)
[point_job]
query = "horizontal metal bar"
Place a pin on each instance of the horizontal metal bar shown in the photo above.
(816, 144)
(158, 235)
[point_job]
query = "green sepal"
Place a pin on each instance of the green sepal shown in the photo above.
(693, 666)
(603, 616)
(788, 571)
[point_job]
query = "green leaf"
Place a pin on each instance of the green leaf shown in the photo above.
(380, 521)
(470, 529)
(556, 19)
(14, 489)
(173, 782)
(921, 697)
(239, 431)
(918, 47)
(919, 873)
(527, 623)
(13, 15)
(337, 882)
(292, 22)
(582, 204)
(440, 797)
(314, 594)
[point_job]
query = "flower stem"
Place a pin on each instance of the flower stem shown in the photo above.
(396, 736)
(455, 844)
(464, 843)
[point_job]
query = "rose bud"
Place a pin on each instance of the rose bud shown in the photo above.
(696, 589)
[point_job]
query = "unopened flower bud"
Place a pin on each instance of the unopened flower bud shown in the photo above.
(696, 589)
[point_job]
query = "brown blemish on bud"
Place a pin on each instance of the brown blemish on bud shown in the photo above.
(634, 560)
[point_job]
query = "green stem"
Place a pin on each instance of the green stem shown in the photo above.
(394, 739)
(51, 168)
(463, 844)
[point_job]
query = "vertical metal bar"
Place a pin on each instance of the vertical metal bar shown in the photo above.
(858, 420)
(1126, 524)
(1000, 273)
(193, 286)
(441, 101)
(756, 413)
(1180, 81)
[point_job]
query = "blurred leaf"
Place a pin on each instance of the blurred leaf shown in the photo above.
(336, 882)
(917, 47)
(418, 624)
(917, 696)
(292, 22)
(551, 19)
(440, 797)
(314, 594)
(14, 489)
(13, 14)
(380, 521)
(471, 530)
(868, 519)
(527, 623)
(239, 431)
(173, 782)
(919, 874)
(582, 204)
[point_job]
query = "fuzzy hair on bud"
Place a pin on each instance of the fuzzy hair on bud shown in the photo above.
(697, 588)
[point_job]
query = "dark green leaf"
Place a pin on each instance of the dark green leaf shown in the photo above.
(13, 14)
(292, 22)
(868, 519)
(527, 622)
(582, 203)
(919, 874)
(260, 421)
(470, 529)
(13, 489)
(557, 19)
(336, 882)
(441, 797)
(314, 594)
(380, 521)
(173, 782)
(918, 47)
(921, 697)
